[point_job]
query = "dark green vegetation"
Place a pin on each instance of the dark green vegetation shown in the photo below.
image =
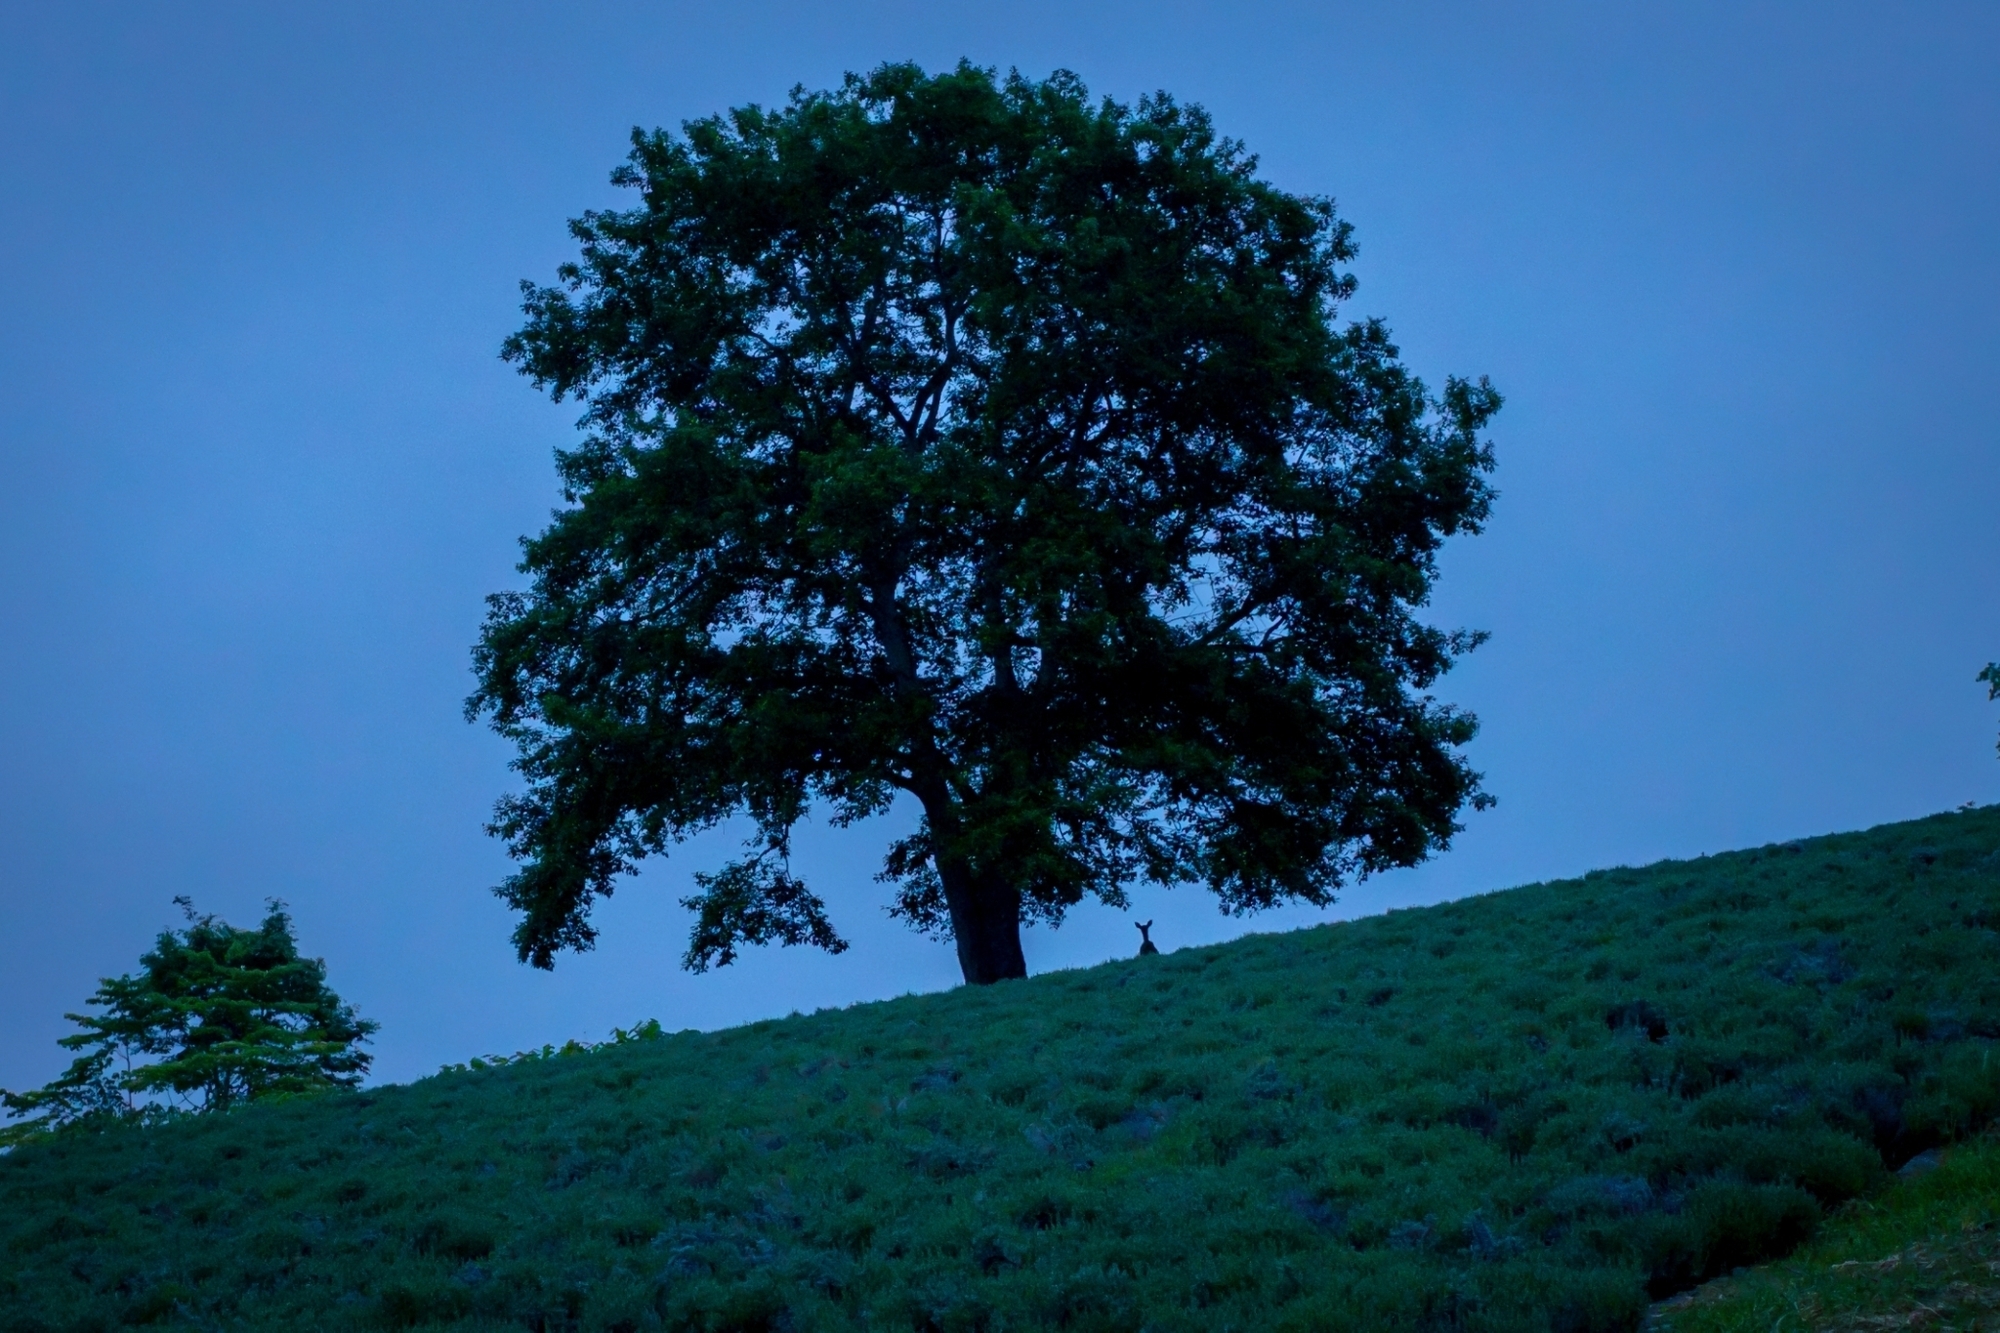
(216, 1016)
(1533, 1110)
(1925, 1254)
(1991, 676)
(968, 439)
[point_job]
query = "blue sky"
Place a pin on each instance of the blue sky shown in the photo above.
(1736, 268)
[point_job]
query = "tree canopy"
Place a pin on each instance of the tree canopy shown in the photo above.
(970, 439)
(216, 1016)
(1990, 677)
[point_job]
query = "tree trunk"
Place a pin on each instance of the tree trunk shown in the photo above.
(985, 923)
(985, 909)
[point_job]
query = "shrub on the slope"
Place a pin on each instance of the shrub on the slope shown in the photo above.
(1925, 1254)
(1533, 1110)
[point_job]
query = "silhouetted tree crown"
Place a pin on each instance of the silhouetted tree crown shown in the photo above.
(969, 439)
(216, 1016)
(1991, 678)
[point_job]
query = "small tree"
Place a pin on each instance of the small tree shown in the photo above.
(215, 1017)
(973, 440)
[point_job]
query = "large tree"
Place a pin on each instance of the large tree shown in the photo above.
(1991, 677)
(970, 439)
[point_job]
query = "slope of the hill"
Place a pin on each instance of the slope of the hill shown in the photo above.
(1537, 1109)
(1924, 1254)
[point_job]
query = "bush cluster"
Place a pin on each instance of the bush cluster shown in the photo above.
(1539, 1109)
(1924, 1254)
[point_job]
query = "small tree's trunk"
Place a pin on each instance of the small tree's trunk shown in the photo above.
(985, 923)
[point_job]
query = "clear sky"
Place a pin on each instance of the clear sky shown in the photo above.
(1736, 268)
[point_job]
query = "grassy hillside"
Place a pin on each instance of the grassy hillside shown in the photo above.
(1538, 1109)
(1924, 1254)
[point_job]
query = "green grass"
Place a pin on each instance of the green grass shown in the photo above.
(1539, 1109)
(1924, 1254)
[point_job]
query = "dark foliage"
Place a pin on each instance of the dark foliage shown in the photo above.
(216, 1016)
(972, 440)
(1991, 676)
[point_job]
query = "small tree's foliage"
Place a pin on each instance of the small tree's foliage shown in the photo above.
(970, 439)
(216, 1016)
(90, 1094)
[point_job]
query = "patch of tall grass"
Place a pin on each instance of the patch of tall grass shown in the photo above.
(1923, 1254)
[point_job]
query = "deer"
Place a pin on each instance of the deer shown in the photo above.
(1146, 945)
